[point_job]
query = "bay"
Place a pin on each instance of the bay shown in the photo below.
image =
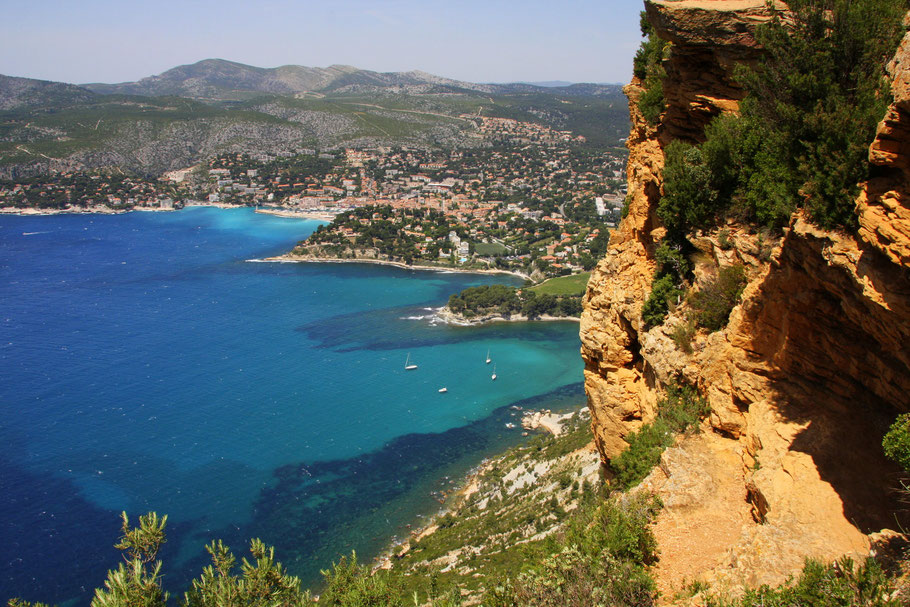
(147, 365)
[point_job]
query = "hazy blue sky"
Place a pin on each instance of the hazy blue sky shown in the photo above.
(476, 40)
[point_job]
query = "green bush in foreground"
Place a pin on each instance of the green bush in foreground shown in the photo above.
(352, 585)
(599, 559)
(680, 410)
(840, 584)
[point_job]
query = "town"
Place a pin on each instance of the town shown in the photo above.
(527, 199)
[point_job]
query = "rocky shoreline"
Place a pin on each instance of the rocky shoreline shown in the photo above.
(101, 209)
(96, 210)
(289, 258)
(446, 315)
(504, 468)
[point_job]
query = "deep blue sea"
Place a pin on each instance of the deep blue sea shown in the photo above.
(146, 365)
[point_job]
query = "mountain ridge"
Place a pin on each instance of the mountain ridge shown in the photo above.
(18, 92)
(223, 79)
(197, 110)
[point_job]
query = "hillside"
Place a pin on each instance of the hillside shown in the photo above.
(25, 92)
(193, 112)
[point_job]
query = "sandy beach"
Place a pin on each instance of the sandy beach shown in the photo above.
(294, 214)
(216, 205)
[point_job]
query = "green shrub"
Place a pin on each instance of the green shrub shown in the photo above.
(682, 335)
(841, 584)
(897, 441)
(655, 308)
(650, 51)
(624, 212)
(711, 305)
(262, 582)
(801, 138)
(349, 584)
(682, 408)
(679, 411)
(651, 102)
(822, 92)
(672, 268)
(647, 67)
(599, 559)
(643, 453)
(689, 198)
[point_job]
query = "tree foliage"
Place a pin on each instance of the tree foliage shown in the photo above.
(801, 139)
(712, 304)
(647, 67)
(599, 559)
(137, 582)
(505, 300)
(262, 582)
(349, 584)
(897, 441)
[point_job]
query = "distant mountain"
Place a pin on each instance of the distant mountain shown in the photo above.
(550, 83)
(25, 92)
(218, 79)
(221, 79)
(192, 112)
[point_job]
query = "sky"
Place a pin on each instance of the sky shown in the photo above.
(82, 41)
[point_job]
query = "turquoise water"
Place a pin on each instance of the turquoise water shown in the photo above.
(147, 366)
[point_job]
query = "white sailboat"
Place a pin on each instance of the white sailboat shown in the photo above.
(408, 365)
(488, 357)
(493, 377)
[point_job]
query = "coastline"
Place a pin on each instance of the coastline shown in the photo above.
(287, 258)
(449, 317)
(319, 215)
(545, 423)
(97, 210)
(106, 210)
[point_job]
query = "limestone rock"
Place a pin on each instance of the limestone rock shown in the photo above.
(884, 204)
(708, 38)
(811, 368)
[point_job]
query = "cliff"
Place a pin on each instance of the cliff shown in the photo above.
(808, 373)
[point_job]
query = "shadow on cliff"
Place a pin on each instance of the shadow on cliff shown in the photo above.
(841, 368)
(844, 441)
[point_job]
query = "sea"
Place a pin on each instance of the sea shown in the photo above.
(147, 364)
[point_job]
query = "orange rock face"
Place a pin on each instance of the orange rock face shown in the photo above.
(811, 368)
(883, 206)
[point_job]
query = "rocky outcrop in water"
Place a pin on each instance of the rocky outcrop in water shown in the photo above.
(808, 373)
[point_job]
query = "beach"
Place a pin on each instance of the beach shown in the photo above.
(296, 214)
